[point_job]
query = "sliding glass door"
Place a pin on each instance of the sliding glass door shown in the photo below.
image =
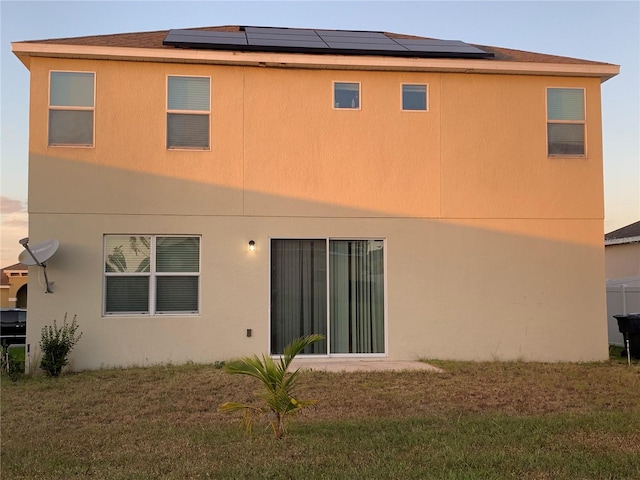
(331, 287)
(298, 292)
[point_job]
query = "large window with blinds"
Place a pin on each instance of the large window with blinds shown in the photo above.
(331, 287)
(71, 108)
(151, 274)
(566, 122)
(188, 112)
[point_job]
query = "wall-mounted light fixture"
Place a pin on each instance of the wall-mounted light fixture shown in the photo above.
(252, 246)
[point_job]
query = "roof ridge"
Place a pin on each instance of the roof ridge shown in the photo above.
(154, 40)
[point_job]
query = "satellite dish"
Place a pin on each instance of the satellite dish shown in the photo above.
(39, 253)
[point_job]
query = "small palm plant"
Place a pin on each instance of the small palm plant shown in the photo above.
(279, 385)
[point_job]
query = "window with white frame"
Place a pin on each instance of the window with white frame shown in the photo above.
(71, 108)
(414, 97)
(151, 274)
(346, 95)
(332, 287)
(188, 112)
(565, 122)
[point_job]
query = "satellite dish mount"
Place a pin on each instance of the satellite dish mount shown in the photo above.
(38, 254)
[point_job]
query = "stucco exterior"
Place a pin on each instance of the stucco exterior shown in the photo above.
(13, 288)
(623, 260)
(622, 254)
(493, 249)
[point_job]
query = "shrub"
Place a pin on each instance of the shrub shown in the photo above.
(56, 344)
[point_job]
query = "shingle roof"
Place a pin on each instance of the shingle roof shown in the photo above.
(630, 231)
(154, 40)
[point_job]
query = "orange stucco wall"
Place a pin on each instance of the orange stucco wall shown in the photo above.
(483, 231)
(479, 152)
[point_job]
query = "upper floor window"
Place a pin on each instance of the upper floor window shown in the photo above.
(565, 121)
(188, 112)
(151, 274)
(414, 97)
(346, 95)
(71, 108)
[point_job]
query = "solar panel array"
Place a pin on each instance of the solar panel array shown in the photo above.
(297, 40)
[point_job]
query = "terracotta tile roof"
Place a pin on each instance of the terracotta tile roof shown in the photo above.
(630, 231)
(155, 39)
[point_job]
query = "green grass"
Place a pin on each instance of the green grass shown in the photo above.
(13, 358)
(17, 354)
(494, 420)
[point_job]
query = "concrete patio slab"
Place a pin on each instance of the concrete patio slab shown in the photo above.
(359, 365)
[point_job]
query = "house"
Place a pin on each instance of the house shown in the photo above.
(622, 253)
(622, 261)
(219, 191)
(13, 286)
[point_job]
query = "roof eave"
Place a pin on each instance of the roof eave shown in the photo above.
(620, 241)
(25, 50)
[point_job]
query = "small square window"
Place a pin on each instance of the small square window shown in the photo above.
(414, 97)
(346, 95)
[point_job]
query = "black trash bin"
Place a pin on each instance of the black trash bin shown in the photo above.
(629, 326)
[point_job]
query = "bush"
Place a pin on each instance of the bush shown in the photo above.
(56, 344)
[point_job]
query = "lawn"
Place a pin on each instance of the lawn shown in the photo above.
(498, 420)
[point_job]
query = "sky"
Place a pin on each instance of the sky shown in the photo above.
(606, 31)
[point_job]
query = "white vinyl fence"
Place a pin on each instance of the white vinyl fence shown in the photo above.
(623, 297)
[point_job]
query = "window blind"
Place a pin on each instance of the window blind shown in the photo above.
(152, 274)
(127, 294)
(565, 104)
(189, 93)
(187, 131)
(565, 138)
(70, 127)
(71, 89)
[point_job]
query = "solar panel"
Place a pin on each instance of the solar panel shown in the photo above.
(297, 40)
(353, 39)
(350, 33)
(280, 31)
(203, 39)
(378, 47)
(441, 46)
(283, 44)
(283, 40)
(304, 38)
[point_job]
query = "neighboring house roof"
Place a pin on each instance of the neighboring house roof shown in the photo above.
(503, 60)
(628, 234)
(16, 267)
